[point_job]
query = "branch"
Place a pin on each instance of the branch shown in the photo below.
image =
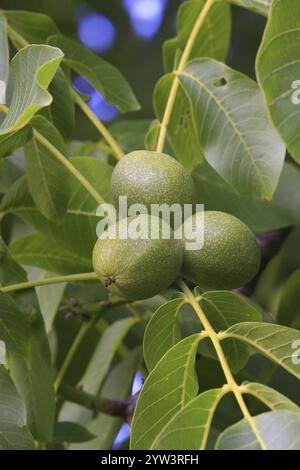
(118, 408)
(49, 280)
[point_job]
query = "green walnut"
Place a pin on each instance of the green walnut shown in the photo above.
(140, 268)
(151, 178)
(229, 258)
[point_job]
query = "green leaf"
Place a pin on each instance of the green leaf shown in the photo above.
(14, 434)
(49, 298)
(237, 138)
(30, 364)
(162, 332)
(103, 355)
(289, 307)
(273, 341)
(9, 173)
(37, 250)
(223, 309)
(12, 142)
(103, 76)
(62, 110)
(130, 134)
(33, 27)
(77, 231)
(48, 179)
(33, 68)
(280, 430)
(117, 386)
(260, 216)
(277, 70)
(10, 271)
(258, 6)
(4, 60)
(65, 431)
(213, 38)
(169, 387)
(270, 397)
(189, 428)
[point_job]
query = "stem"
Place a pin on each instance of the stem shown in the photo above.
(175, 85)
(234, 387)
(118, 152)
(120, 408)
(16, 37)
(49, 280)
(71, 168)
(85, 328)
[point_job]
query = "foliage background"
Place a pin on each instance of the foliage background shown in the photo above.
(141, 63)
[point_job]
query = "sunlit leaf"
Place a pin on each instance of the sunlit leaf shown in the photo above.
(279, 430)
(33, 68)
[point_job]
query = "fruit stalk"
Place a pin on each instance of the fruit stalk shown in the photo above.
(117, 151)
(175, 85)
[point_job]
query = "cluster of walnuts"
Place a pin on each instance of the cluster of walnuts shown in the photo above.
(141, 268)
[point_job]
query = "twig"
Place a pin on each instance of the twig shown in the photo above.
(118, 408)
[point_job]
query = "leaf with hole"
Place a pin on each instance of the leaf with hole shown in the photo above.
(234, 130)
